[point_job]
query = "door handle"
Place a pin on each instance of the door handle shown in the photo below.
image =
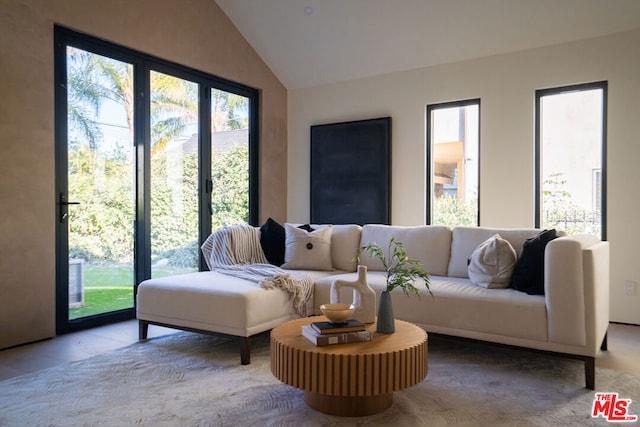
(63, 200)
(63, 203)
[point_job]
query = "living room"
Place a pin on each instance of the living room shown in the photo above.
(198, 34)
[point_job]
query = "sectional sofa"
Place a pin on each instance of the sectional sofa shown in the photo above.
(567, 314)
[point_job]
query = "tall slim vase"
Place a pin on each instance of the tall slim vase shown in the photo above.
(386, 322)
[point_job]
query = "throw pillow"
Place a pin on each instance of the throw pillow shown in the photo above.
(307, 250)
(491, 263)
(272, 240)
(528, 274)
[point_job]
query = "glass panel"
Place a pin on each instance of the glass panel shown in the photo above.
(229, 159)
(101, 179)
(454, 145)
(174, 175)
(571, 152)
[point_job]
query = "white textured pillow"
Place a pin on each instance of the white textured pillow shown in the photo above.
(306, 250)
(491, 263)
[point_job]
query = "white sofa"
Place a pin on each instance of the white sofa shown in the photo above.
(570, 319)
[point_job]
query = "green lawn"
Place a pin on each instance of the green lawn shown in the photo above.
(110, 288)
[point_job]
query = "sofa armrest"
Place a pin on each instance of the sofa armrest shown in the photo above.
(577, 291)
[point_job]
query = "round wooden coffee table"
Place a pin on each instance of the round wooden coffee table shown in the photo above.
(349, 379)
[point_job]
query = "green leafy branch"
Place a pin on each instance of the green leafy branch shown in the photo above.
(401, 272)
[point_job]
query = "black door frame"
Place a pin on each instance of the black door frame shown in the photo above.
(142, 65)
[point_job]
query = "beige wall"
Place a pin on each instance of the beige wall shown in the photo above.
(194, 33)
(506, 85)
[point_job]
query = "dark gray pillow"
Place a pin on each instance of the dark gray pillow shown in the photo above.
(272, 241)
(528, 273)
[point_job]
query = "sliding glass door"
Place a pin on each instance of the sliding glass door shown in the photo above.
(150, 157)
(98, 205)
(174, 175)
(230, 166)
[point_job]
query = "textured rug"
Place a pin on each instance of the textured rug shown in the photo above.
(187, 379)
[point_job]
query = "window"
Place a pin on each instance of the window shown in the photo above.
(570, 157)
(151, 156)
(453, 157)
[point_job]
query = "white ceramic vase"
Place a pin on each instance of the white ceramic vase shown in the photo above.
(364, 298)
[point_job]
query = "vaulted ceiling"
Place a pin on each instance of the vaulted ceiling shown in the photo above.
(314, 42)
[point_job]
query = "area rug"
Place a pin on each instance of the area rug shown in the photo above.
(187, 379)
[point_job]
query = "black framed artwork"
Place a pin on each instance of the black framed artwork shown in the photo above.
(351, 172)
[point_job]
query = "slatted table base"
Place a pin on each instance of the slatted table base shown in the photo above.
(348, 406)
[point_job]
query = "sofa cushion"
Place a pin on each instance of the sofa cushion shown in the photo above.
(429, 244)
(305, 250)
(491, 263)
(464, 240)
(345, 242)
(528, 274)
(458, 308)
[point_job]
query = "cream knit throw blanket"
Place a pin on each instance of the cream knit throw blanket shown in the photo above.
(236, 251)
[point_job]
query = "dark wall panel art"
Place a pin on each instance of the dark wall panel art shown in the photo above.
(351, 172)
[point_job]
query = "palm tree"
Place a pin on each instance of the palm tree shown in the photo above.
(84, 94)
(93, 78)
(225, 109)
(174, 106)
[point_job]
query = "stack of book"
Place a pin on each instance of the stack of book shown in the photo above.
(326, 333)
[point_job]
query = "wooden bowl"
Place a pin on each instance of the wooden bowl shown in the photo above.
(337, 313)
